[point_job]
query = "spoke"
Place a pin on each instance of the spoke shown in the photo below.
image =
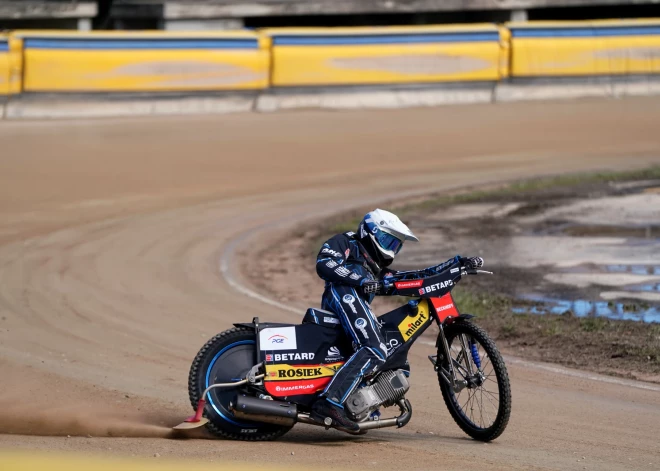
(481, 409)
(485, 360)
(496, 393)
(470, 404)
(490, 373)
(464, 407)
(491, 400)
(490, 421)
(477, 404)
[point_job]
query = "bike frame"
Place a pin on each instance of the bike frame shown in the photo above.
(442, 308)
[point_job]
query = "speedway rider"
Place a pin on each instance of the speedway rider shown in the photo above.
(352, 266)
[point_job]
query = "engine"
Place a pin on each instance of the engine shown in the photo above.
(389, 387)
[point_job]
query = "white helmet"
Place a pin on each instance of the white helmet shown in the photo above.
(382, 234)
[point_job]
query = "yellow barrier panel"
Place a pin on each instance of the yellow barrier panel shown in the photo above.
(144, 61)
(550, 49)
(4, 65)
(354, 56)
(15, 65)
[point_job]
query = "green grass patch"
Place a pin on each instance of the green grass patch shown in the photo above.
(593, 324)
(520, 188)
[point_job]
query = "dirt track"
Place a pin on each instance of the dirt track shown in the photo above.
(111, 233)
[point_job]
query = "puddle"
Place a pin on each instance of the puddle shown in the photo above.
(596, 230)
(645, 288)
(571, 229)
(634, 269)
(593, 251)
(585, 308)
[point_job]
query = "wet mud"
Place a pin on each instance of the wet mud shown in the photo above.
(587, 250)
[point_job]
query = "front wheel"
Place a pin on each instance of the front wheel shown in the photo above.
(226, 358)
(480, 400)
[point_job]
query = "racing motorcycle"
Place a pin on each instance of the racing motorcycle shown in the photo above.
(257, 380)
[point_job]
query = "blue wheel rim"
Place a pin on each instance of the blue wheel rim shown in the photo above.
(207, 384)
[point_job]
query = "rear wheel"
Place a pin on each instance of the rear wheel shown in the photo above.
(481, 401)
(226, 358)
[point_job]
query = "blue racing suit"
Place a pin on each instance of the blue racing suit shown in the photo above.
(345, 266)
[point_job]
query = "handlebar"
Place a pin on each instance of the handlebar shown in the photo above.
(473, 271)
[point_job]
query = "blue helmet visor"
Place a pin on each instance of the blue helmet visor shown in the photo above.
(388, 241)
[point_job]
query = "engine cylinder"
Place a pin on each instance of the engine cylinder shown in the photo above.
(389, 388)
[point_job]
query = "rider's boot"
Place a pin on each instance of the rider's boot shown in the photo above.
(323, 408)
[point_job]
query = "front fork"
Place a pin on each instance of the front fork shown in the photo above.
(449, 375)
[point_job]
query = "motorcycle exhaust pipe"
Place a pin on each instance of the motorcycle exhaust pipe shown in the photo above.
(263, 410)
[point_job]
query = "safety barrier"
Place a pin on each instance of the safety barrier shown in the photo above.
(463, 63)
(143, 62)
(4, 65)
(391, 55)
(559, 49)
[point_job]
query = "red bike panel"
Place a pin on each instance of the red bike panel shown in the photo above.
(445, 307)
(296, 388)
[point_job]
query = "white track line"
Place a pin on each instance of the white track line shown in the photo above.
(227, 273)
(582, 374)
(511, 360)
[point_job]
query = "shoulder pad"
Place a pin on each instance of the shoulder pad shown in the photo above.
(349, 234)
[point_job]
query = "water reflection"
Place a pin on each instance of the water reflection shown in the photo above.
(644, 287)
(584, 308)
(634, 269)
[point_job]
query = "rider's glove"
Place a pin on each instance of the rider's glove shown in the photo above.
(371, 286)
(473, 262)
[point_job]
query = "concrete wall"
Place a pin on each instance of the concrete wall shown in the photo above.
(30, 9)
(73, 74)
(198, 9)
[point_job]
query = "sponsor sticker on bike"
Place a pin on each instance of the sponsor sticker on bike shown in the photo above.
(436, 287)
(278, 338)
(445, 307)
(408, 284)
(286, 372)
(333, 352)
(296, 387)
(412, 324)
(334, 355)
